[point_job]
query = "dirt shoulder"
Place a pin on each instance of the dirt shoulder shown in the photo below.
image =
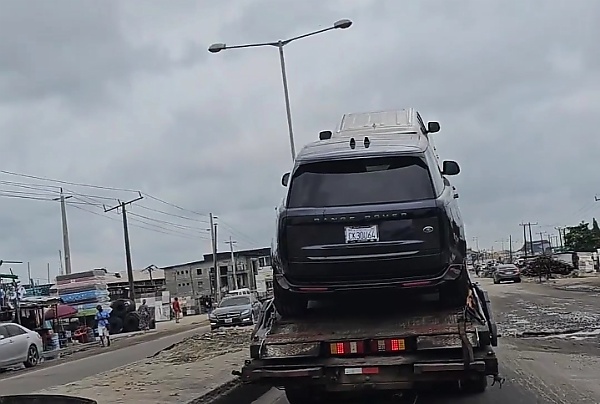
(179, 374)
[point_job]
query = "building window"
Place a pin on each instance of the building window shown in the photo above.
(186, 272)
(179, 285)
(223, 270)
(198, 271)
(200, 284)
(264, 261)
(188, 284)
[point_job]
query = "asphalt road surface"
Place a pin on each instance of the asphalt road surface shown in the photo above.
(548, 352)
(28, 381)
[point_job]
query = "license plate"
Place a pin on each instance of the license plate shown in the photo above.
(361, 371)
(362, 234)
(228, 320)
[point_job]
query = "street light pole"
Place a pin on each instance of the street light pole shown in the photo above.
(218, 47)
(286, 94)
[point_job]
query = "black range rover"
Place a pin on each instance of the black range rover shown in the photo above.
(368, 212)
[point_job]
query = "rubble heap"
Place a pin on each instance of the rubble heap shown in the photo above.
(206, 346)
(544, 265)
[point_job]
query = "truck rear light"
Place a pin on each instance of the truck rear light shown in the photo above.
(388, 345)
(347, 348)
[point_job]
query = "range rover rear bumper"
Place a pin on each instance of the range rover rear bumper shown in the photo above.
(450, 273)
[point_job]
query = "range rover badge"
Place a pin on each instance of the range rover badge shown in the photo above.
(427, 229)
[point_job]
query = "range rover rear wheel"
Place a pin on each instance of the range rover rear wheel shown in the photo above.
(455, 293)
(288, 304)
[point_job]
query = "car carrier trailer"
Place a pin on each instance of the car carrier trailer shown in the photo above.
(392, 348)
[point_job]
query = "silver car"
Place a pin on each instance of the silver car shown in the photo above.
(235, 310)
(19, 345)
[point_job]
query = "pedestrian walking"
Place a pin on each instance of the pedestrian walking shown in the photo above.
(176, 309)
(102, 320)
(208, 305)
(144, 312)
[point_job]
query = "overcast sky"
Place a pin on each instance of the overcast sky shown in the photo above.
(124, 94)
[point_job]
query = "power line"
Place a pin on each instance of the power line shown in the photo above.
(49, 198)
(162, 230)
(250, 240)
(240, 234)
(172, 214)
(77, 184)
(181, 226)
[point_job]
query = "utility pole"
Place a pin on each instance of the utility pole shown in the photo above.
(213, 237)
(524, 225)
(65, 230)
(476, 240)
(560, 238)
(541, 233)
(123, 206)
(48, 268)
(528, 225)
(60, 262)
(233, 263)
(510, 252)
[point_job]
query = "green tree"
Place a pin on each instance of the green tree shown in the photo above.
(582, 238)
(595, 228)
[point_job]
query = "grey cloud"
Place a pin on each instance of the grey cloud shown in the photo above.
(513, 85)
(74, 50)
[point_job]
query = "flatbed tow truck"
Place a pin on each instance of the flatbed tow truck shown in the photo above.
(372, 348)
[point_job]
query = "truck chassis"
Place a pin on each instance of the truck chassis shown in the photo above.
(451, 345)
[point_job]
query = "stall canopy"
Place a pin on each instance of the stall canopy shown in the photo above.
(63, 311)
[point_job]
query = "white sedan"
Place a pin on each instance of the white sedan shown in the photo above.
(19, 345)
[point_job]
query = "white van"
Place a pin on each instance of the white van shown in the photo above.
(239, 292)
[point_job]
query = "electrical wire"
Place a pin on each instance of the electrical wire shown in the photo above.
(94, 199)
(156, 230)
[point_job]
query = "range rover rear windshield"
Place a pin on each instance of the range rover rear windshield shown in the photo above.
(360, 182)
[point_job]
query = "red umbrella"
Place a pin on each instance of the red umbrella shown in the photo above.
(64, 311)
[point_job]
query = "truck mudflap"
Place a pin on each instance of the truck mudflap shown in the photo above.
(375, 373)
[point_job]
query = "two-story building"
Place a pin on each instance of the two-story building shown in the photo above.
(197, 278)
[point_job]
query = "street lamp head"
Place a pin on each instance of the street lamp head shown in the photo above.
(216, 47)
(342, 24)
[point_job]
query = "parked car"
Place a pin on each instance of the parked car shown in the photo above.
(369, 209)
(235, 310)
(19, 345)
(507, 272)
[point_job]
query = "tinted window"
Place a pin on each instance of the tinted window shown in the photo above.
(4, 331)
(360, 182)
(235, 301)
(13, 330)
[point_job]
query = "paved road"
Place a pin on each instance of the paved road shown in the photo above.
(70, 371)
(559, 367)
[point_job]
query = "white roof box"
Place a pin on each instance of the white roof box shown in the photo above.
(404, 121)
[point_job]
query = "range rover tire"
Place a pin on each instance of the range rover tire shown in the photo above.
(287, 304)
(455, 293)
